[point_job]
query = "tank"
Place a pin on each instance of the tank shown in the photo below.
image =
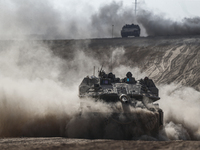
(130, 30)
(132, 94)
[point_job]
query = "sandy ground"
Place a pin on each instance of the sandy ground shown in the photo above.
(55, 143)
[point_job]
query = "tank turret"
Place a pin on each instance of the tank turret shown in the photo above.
(109, 88)
(128, 91)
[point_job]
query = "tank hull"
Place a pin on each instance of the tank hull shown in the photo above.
(119, 126)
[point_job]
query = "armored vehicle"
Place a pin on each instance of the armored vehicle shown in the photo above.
(130, 30)
(131, 94)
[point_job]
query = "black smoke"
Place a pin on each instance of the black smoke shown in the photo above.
(153, 24)
(158, 25)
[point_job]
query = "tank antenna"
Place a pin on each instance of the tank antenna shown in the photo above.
(135, 7)
(94, 71)
(101, 68)
(112, 30)
(111, 64)
(135, 3)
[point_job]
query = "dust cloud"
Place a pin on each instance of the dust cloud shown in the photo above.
(33, 100)
(181, 110)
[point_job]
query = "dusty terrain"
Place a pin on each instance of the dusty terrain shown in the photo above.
(165, 59)
(83, 144)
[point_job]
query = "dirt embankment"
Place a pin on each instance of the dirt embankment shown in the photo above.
(165, 59)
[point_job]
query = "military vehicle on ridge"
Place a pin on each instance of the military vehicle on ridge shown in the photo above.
(130, 30)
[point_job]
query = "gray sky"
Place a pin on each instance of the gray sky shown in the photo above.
(174, 9)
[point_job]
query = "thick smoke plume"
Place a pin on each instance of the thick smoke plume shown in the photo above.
(112, 14)
(156, 25)
(151, 24)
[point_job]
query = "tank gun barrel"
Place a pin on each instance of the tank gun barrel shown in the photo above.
(125, 101)
(123, 98)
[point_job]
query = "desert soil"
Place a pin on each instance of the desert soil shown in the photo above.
(55, 143)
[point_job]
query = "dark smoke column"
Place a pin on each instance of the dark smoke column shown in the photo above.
(157, 25)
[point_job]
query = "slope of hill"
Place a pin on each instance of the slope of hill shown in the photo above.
(165, 59)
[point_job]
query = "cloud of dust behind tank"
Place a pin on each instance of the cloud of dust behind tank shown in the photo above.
(30, 90)
(181, 111)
